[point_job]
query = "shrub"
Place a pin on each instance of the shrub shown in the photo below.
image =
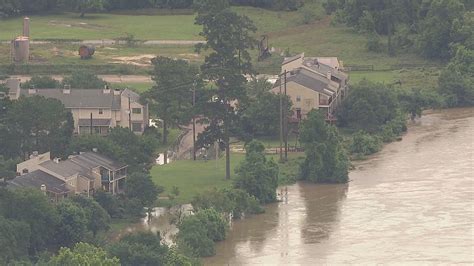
(364, 144)
(373, 43)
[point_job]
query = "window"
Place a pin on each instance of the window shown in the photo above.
(298, 98)
(136, 110)
(101, 111)
(137, 127)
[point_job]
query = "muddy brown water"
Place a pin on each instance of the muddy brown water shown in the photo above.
(412, 203)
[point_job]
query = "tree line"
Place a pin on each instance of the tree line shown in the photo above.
(18, 7)
(434, 27)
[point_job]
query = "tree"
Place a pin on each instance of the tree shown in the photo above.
(140, 186)
(36, 124)
(109, 202)
(143, 248)
(171, 99)
(97, 217)
(228, 38)
(41, 82)
(83, 79)
(256, 175)
(14, 240)
(83, 6)
(72, 227)
(261, 111)
(326, 159)
(456, 82)
(438, 29)
(368, 106)
(31, 207)
(82, 254)
(198, 232)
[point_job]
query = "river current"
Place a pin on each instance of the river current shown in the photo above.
(412, 203)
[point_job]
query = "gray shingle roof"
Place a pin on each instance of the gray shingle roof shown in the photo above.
(309, 80)
(324, 69)
(287, 60)
(81, 98)
(37, 178)
(91, 160)
(67, 168)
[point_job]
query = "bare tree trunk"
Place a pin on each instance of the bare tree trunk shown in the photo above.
(227, 158)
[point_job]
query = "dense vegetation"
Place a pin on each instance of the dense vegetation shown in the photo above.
(14, 7)
(432, 27)
(326, 158)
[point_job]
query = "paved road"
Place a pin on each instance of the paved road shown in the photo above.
(186, 144)
(108, 78)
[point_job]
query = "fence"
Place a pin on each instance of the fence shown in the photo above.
(32, 69)
(387, 68)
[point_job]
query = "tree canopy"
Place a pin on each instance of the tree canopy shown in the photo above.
(326, 158)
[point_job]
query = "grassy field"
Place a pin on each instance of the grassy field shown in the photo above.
(286, 31)
(104, 26)
(137, 87)
(194, 177)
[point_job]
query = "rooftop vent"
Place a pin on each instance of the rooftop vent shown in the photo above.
(106, 89)
(56, 160)
(117, 92)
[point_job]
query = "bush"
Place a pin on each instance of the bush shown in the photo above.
(41, 82)
(373, 43)
(198, 232)
(364, 144)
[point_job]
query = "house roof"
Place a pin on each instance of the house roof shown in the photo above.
(92, 159)
(309, 80)
(67, 168)
(287, 60)
(38, 178)
(80, 98)
(95, 122)
(134, 97)
(317, 66)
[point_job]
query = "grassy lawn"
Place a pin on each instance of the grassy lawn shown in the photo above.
(137, 87)
(194, 177)
(104, 26)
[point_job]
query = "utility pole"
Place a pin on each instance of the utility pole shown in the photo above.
(91, 124)
(281, 123)
(286, 121)
(129, 114)
(194, 122)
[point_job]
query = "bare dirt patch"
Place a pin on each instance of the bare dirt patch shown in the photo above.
(84, 25)
(138, 60)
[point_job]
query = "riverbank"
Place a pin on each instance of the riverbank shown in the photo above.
(408, 204)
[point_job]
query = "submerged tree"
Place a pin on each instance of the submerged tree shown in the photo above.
(228, 38)
(326, 159)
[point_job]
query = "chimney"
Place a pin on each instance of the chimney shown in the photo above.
(117, 92)
(26, 27)
(43, 189)
(32, 90)
(67, 89)
(341, 64)
(328, 76)
(106, 89)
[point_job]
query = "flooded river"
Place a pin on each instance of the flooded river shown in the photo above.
(411, 203)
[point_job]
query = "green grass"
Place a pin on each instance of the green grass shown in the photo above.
(137, 87)
(286, 31)
(194, 177)
(104, 26)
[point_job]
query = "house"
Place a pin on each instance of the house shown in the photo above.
(79, 174)
(313, 83)
(95, 111)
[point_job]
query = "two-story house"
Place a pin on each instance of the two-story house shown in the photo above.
(95, 111)
(79, 174)
(313, 83)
